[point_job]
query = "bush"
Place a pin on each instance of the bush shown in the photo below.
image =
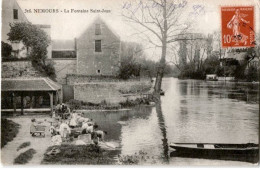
(128, 68)
(138, 158)
(252, 74)
(9, 130)
(189, 71)
(49, 69)
(138, 101)
(6, 49)
(80, 154)
(25, 157)
(74, 104)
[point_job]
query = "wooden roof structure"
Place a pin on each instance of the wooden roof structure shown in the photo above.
(29, 84)
(24, 86)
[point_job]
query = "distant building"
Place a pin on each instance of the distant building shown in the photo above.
(194, 47)
(211, 77)
(12, 13)
(63, 49)
(241, 57)
(64, 58)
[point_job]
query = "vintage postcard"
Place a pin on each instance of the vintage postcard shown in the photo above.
(130, 82)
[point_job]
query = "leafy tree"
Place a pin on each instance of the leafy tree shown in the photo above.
(211, 64)
(252, 73)
(219, 71)
(6, 49)
(36, 42)
(129, 68)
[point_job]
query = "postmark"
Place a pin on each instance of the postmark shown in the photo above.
(237, 24)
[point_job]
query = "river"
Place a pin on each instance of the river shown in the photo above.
(192, 111)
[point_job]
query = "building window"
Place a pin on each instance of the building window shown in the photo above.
(98, 29)
(15, 11)
(97, 45)
(98, 71)
(63, 54)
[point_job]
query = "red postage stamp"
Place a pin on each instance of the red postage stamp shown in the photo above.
(237, 26)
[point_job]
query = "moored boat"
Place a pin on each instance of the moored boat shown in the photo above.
(243, 152)
(249, 148)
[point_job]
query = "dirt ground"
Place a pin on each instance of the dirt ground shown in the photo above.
(40, 144)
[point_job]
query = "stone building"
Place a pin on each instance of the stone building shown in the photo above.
(98, 50)
(12, 13)
(94, 53)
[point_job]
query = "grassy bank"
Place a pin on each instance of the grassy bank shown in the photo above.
(134, 87)
(9, 130)
(81, 154)
(80, 105)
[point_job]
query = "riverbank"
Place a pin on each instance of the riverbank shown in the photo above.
(25, 149)
(125, 105)
(78, 154)
(232, 81)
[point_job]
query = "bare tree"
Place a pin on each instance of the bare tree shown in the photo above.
(220, 51)
(161, 20)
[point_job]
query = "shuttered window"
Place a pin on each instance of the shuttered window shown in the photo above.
(97, 45)
(15, 11)
(98, 29)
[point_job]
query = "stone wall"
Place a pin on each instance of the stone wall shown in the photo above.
(19, 69)
(64, 67)
(25, 69)
(96, 93)
(111, 92)
(76, 79)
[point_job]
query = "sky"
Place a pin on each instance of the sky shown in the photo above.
(71, 25)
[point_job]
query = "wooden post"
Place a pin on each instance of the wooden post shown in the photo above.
(51, 101)
(35, 100)
(56, 98)
(14, 102)
(22, 104)
(31, 100)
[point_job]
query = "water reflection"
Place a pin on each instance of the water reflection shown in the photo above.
(184, 88)
(163, 130)
(191, 111)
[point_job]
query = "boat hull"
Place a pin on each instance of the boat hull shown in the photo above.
(250, 154)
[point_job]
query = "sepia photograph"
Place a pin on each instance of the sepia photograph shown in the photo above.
(165, 83)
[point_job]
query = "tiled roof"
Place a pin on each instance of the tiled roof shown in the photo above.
(29, 84)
